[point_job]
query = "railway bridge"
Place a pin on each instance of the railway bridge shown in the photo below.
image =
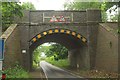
(91, 45)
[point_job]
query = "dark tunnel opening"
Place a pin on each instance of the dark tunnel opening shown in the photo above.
(69, 41)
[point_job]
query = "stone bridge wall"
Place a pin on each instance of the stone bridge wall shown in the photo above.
(83, 22)
(12, 46)
(45, 16)
(33, 29)
(107, 48)
(99, 53)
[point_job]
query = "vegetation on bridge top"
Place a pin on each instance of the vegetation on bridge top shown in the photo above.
(104, 6)
(11, 9)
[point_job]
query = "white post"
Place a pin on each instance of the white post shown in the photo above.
(0, 69)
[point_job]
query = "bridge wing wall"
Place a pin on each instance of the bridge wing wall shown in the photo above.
(12, 46)
(107, 50)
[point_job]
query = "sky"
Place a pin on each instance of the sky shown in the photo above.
(113, 13)
(43, 54)
(47, 4)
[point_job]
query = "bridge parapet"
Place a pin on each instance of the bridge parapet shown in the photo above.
(45, 16)
(70, 16)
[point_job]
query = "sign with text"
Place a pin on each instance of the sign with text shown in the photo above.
(1, 49)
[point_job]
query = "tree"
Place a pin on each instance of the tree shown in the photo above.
(58, 51)
(81, 5)
(28, 6)
(37, 53)
(36, 56)
(9, 10)
(103, 6)
(12, 9)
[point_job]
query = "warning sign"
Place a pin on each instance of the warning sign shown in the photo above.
(62, 19)
(57, 19)
(53, 19)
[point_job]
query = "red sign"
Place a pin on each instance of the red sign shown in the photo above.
(62, 19)
(55, 19)
(3, 76)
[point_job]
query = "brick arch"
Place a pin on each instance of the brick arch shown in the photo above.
(72, 40)
(58, 31)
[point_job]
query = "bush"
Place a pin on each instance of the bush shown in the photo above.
(16, 72)
(63, 63)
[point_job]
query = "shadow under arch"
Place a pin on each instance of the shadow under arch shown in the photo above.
(58, 35)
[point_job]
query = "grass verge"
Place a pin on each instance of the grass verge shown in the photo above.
(84, 73)
(16, 72)
(63, 63)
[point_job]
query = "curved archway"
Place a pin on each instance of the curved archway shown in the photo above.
(72, 40)
(58, 32)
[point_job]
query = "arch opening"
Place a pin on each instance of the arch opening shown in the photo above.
(63, 36)
(52, 53)
(74, 42)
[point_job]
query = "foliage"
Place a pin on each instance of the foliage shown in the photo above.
(58, 51)
(28, 6)
(53, 52)
(82, 5)
(103, 6)
(118, 31)
(9, 10)
(36, 58)
(37, 54)
(16, 72)
(89, 5)
(63, 63)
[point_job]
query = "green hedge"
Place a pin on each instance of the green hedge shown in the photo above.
(16, 72)
(63, 63)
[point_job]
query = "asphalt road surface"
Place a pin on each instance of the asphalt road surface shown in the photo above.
(55, 73)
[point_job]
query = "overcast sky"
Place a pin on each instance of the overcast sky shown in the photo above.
(47, 4)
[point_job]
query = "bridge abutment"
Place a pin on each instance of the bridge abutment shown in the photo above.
(79, 58)
(24, 40)
(93, 19)
(72, 58)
